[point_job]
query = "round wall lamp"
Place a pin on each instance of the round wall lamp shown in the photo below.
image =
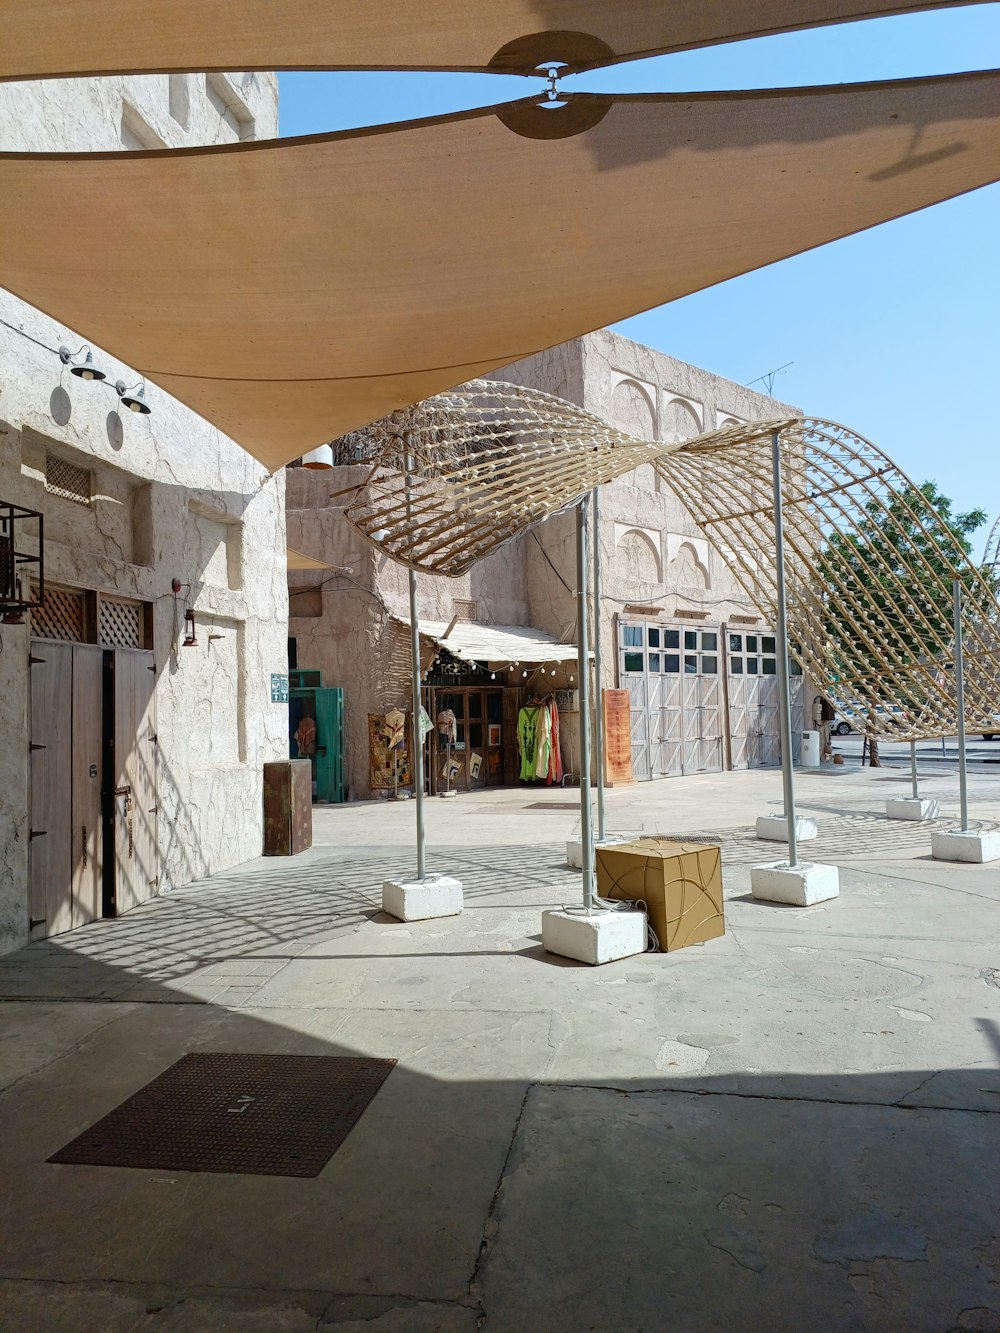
(135, 398)
(84, 370)
(319, 459)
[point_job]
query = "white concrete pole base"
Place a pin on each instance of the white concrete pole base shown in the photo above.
(594, 937)
(421, 899)
(574, 847)
(976, 845)
(912, 807)
(445, 794)
(774, 828)
(799, 886)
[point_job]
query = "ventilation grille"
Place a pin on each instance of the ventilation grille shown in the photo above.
(67, 480)
(466, 609)
(120, 624)
(59, 617)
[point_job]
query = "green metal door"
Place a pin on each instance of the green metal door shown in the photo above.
(325, 746)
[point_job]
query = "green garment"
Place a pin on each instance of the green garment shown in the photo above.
(527, 741)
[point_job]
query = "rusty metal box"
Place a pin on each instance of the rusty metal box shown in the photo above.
(680, 883)
(287, 807)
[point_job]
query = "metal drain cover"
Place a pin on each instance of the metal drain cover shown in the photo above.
(259, 1115)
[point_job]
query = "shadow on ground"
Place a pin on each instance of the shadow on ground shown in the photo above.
(475, 1191)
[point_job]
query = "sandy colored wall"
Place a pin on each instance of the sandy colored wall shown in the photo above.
(171, 496)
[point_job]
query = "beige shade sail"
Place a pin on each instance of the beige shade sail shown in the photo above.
(299, 560)
(52, 38)
(293, 291)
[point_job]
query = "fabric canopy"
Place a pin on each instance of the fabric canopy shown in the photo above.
(299, 560)
(293, 291)
(50, 38)
(498, 644)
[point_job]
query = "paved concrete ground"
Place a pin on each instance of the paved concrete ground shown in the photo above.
(795, 1126)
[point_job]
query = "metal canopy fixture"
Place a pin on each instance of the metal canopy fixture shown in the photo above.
(292, 291)
(56, 38)
(869, 564)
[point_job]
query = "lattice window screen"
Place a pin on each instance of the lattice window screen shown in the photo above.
(466, 608)
(120, 624)
(60, 616)
(67, 480)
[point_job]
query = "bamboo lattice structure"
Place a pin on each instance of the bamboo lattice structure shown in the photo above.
(869, 563)
(991, 560)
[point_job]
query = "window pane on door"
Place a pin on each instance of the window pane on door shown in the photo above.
(672, 663)
(653, 638)
(709, 664)
(691, 664)
(671, 638)
(709, 641)
(633, 662)
(654, 662)
(690, 638)
(632, 636)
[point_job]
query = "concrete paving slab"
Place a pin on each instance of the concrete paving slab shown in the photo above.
(804, 1026)
(722, 1213)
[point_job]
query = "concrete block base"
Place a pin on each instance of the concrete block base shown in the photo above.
(420, 899)
(594, 937)
(801, 886)
(774, 828)
(574, 847)
(969, 845)
(445, 794)
(910, 807)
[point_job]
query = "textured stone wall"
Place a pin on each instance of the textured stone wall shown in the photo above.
(171, 497)
(652, 552)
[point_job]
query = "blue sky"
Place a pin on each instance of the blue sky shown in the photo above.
(893, 332)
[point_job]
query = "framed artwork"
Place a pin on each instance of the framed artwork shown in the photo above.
(493, 733)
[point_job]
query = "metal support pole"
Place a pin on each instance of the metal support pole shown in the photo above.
(784, 703)
(583, 667)
(417, 760)
(598, 702)
(913, 769)
(963, 764)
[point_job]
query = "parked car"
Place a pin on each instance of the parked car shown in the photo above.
(848, 715)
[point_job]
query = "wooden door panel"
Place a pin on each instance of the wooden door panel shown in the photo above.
(86, 840)
(50, 846)
(135, 788)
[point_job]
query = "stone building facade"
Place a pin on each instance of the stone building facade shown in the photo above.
(677, 632)
(130, 763)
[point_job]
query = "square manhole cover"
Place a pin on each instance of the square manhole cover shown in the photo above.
(258, 1115)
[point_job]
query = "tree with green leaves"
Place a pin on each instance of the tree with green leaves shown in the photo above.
(897, 563)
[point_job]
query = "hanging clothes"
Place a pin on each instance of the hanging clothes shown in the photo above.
(527, 740)
(555, 760)
(543, 733)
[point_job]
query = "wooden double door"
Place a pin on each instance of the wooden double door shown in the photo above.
(93, 791)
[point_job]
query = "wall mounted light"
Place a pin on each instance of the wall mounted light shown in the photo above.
(190, 638)
(135, 398)
(85, 369)
(319, 459)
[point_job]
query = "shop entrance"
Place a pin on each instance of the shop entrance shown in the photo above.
(476, 756)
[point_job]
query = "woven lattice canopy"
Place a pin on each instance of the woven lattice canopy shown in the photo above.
(290, 292)
(869, 564)
(44, 38)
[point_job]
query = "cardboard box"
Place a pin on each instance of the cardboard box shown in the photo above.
(680, 883)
